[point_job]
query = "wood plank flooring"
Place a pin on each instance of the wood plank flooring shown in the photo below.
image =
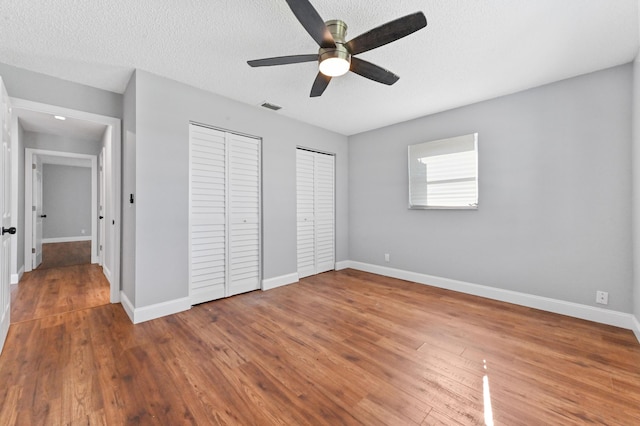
(55, 255)
(339, 348)
(51, 291)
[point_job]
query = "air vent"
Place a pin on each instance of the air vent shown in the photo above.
(270, 106)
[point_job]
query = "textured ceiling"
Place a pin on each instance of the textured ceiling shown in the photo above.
(471, 50)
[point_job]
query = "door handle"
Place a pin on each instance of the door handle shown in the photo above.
(43, 215)
(11, 230)
(100, 217)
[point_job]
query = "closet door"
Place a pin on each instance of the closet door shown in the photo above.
(244, 214)
(316, 212)
(324, 212)
(225, 214)
(208, 236)
(305, 192)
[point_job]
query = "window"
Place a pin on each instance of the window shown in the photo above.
(443, 174)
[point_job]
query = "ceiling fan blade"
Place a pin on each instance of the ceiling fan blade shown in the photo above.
(312, 22)
(387, 33)
(372, 71)
(319, 85)
(283, 60)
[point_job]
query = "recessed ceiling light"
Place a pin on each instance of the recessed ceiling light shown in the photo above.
(59, 117)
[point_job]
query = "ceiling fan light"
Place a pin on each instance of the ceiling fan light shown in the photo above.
(334, 67)
(334, 62)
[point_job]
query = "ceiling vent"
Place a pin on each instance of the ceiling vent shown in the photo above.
(270, 106)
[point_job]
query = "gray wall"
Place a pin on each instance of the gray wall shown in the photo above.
(36, 140)
(66, 200)
(164, 109)
(42, 88)
(129, 187)
(555, 194)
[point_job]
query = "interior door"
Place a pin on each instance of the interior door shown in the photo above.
(208, 206)
(101, 209)
(315, 191)
(244, 214)
(324, 212)
(305, 193)
(38, 215)
(5, 208)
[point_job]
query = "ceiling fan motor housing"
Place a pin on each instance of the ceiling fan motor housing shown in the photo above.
(338, 30)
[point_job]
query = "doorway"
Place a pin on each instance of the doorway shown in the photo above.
(64, 205)
(61, 203)
(105, 245)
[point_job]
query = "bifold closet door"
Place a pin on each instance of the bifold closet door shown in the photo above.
(224, 214)
(316, 212)
(244, 214)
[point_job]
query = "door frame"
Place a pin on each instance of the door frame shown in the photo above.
(113, 162)
(29, 157)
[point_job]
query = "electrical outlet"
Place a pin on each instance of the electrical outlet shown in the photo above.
(386, 257)
(602, 297)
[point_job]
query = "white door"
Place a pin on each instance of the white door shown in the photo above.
(5, 208)
(324, 212)
(315, 189)
(305, 192)
(101, 207)
(244, 214)
(37, 214)
(207, 236)
(224, 214)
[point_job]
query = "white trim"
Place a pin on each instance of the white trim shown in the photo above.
(344, 264)
(127, 306)
(66, 239)
(107, 273)
(151, 312)
(275, 282)
(635, 327)
(4, 331)
(576, 310)
(15, 278)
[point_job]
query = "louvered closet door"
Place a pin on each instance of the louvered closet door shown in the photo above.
(316, 212)
(324, 212)
(208, 214)
(305, 192)
(244, 214)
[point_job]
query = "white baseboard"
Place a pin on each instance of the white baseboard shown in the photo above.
(590, 313)
(151, 312)
(127, 305)
(4, 328)
(66, 239)
(343, 265)
(271, 283)
(636, 327)
(15, 278)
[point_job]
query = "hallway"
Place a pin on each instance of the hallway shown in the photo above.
(53, 289)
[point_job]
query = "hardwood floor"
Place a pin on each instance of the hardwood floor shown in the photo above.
(55, 255)
(51, 291)
(339, 348)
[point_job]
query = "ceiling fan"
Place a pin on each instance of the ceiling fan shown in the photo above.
(337, 56)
